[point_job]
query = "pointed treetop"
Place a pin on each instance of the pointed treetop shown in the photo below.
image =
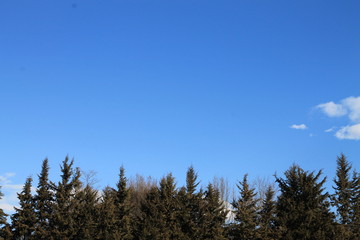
(191, 180)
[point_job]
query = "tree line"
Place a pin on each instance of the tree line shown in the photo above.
(300, 208)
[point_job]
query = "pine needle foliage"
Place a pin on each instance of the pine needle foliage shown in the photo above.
(303, 207)
(267, 217)
(246, 212)
(24, 218)
(43, 200)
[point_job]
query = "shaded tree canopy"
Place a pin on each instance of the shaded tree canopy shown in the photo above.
(140, 209)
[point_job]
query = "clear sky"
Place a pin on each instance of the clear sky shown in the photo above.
(231, 87)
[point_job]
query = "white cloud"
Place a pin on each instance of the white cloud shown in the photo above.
(10, 190)
(330, 129)
(332, 109)
(299, 126)
(349, 132)
(6, 207)
(353, 106)
(349, 106)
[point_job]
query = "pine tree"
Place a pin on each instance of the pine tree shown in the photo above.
(24, 218)
(169, 209)
(62, 220)
(302, 207)
(214, 215)
(191, 218)
(123, 207)
(246, 212)
(86, 213)
(160, 212)
(147, 226)
(341, 199)
(107, 227)
(43, 204)
(267, 219)
(5, 230)
(355, 207)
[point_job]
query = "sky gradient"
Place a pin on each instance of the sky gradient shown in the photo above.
(230, 87)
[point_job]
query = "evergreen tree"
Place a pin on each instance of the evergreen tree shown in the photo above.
(341, 199)
(160, 212)
(43, 204)
(147, 226)
(267, 219)
(5, 230)
(169, 209)
(214, 215)
(107, 227)
(86, 213)
(191, 218)
(24, 218)
(246, 212)
(62, 220)
(302, 207)
(123, 207)
(355, 207)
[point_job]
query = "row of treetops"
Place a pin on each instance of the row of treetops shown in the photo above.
(296, 206)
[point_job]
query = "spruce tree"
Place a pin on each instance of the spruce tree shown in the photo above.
(62, 221)
(267, 219)
(149, 222)
(107, 227)
(302, 207)
(355, 207)
(341, 199)
(86, 213)
(191, 218)
(5, 230)
(123, 207)
(24, 218)
(169, 209)
(246, 212)
(43, 204)
(214, 215)
(160, 213)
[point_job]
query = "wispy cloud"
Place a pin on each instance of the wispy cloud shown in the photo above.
(332, 109)
(330, 129)
(10, 190)
(349, 132)
(299, 126)
(349, 107)
(353, 106)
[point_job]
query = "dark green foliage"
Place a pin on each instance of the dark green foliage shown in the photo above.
(5, 230)
(62, 221)
(24, 218)
(107, 220)
(267, 217)
(160, 212)
(341, 199)
(86, 213)
(123, 208)
(355, 207)
(2, 214)
(169, 209)
(214, 215)
(192, 205)
(246, 212)
(43, 204)
(302, 207)
(68, 210)
(147, 226)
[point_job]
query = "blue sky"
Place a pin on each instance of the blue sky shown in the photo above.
(160, 85)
